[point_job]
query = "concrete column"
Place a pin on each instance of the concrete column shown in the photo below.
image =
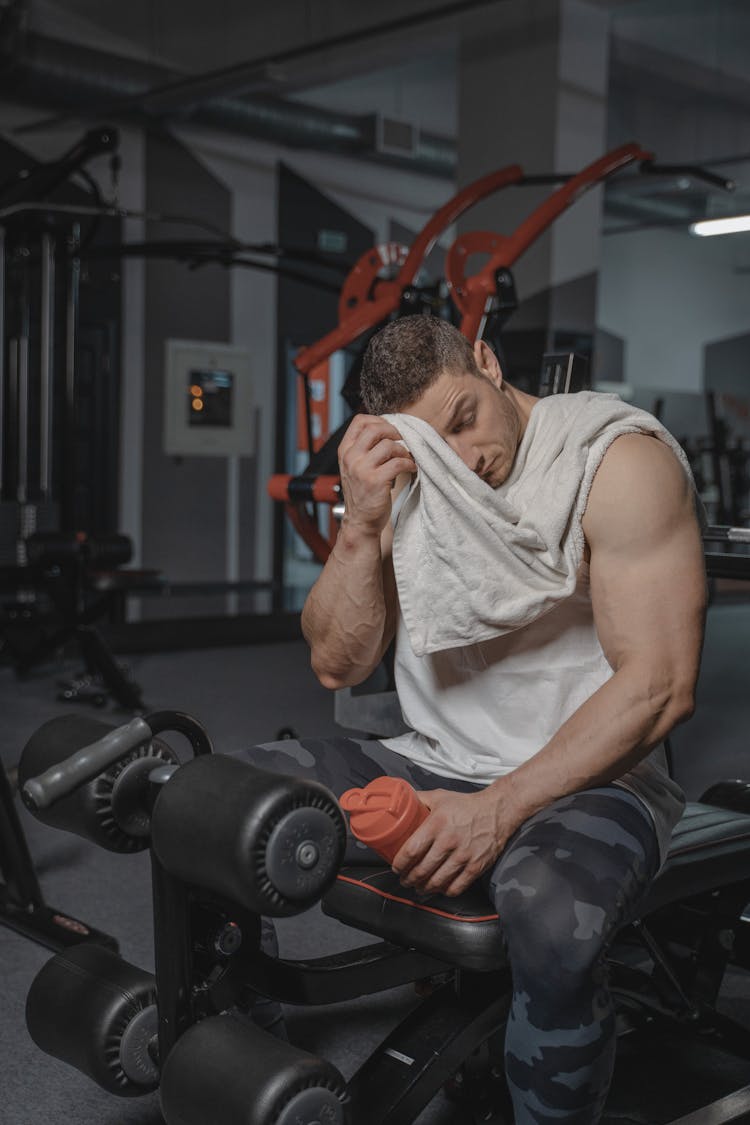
(533, 91)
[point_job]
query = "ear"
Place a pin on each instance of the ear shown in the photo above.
(488, 363)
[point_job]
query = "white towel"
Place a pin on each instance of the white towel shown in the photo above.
(473, 562)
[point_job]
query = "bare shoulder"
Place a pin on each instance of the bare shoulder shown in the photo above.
(640, 489)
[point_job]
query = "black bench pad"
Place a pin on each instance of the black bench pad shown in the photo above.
(710, 848)
(462, 931)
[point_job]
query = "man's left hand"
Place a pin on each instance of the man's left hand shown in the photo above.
(460, 839)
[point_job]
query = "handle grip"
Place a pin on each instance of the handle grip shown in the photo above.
(720, 534)
(61, 779)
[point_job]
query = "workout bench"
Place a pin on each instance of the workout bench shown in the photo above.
(230, 842)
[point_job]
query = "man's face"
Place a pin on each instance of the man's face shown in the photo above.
(477, 420)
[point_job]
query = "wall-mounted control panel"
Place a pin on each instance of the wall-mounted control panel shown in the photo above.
(208, 402)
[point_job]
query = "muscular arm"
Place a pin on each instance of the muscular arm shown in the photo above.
(648, 595)
(648, 592)
(349, 617)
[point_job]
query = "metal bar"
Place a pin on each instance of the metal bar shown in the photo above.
(21, 404)
(49, 927)
(717, 446)
(15, 859)
(188, 589)
(472, 298)
(100, 661)
(172, 957)
(726, 534)
(21, 485)
(339, 976)
(2, 359)
(46, 365)
(285, 486)
(414, 1061)
(233, 533)
(22, 905)
(725, 1109)
(71, 330)
(58, 208)
(11, 433)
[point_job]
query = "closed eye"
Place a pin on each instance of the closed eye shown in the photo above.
(464, 423)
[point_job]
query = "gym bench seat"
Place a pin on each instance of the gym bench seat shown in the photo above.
(710, 848)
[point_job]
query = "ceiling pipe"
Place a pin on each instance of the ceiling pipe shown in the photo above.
(86, 81)
(46, 72)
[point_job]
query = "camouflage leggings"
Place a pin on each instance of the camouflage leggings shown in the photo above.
(567, 880)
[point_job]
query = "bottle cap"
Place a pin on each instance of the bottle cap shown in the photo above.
(384, 814)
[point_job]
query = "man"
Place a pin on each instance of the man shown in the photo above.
(535, 748)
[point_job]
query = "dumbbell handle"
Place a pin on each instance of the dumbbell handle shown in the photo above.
(61, 779)
(719, 533)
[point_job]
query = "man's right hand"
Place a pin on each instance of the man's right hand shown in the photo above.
(371, 456)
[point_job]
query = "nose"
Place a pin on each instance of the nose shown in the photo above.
(468, 453)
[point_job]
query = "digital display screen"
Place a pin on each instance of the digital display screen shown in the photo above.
(210, 398)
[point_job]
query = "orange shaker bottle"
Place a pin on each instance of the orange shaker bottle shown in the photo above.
(384, 814)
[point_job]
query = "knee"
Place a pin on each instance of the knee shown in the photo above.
(552, 935)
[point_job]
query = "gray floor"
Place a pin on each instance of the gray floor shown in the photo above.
(244, 695)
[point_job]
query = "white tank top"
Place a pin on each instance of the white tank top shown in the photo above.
(478, 711)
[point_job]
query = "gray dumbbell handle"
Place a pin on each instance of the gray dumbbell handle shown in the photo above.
(718, 533)
(61, 779)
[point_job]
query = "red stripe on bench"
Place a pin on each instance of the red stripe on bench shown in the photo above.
(409, 902)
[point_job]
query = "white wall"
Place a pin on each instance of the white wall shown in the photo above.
(422, 92)
(667, 294)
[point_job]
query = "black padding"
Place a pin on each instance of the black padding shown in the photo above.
(228, 1071)
(463, 931)
(710, 848)
(52, 548)
(80, 1006)
(301, 488)
(217, 818)
(87, 811)
(729, 794)
(105, 552)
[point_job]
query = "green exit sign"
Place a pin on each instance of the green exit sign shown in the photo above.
(332, 241)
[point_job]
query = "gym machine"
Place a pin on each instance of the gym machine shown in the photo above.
(383, 285)
(720, 461)
(230, 842)
(40, 246)
(58, 577)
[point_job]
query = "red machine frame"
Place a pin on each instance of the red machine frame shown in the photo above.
(368, 300)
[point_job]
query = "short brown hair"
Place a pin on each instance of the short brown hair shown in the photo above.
(408, 355)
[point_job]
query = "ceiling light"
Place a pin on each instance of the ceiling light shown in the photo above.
(730, 225)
